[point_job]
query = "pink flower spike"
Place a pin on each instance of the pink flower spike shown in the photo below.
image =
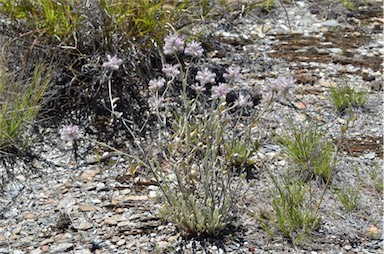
(70, 133)
(174, 43)
(286, 85)
(112, 63)
(198, 88)
(233, 73)
(171, 70)
(194, 49)
(220, 91)
(205, 76)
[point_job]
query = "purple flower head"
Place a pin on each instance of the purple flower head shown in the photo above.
(220, 91)
(70, 133)
(112, 63)
(205, 76)
(156, 84)
(173, 43)
(198, 88)
(286, 85)
(171, 70)
(282, 85)
(194, 49)
(233, 73)
(243, 100)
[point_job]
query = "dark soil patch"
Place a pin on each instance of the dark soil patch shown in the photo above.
(297, 48)
(357, 147)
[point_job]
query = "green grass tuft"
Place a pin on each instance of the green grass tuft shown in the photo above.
(344, 97)
(307, 148)
(348, 197)
(20, 104)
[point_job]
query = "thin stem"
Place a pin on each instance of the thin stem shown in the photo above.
(110, 93)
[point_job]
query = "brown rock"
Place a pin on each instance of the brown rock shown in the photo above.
(46, 241)
(89, 175)
(84, 226)
(135, 198)
(124, 223)
(115, 239)
(30, 216)
(110, 221)
(120, 242)
(45, 248)
(87, 208)
(372, 230)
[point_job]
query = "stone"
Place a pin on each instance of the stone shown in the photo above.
(36, 251)
(110, 221)
(45, 248)
(18, 252)
(46, 241)
(62, 248)
(124, 223)
(87, 208)
(89, 175)
(120, 242)
(84, 251)
(84, 226)
(135, 198)
(162, 246)
(17, 229)
(30, 216)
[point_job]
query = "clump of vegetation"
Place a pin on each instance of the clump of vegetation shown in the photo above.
(20, 103)
(294, 214)
(344, 97)
(140, 19)
(349, 197)
(377, 178)
(309, 150)
(21, 99)
(294, 207)
(348, 4)
(195, 162)
(58, 18)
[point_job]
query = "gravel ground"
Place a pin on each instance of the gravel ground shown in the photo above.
(90, 207)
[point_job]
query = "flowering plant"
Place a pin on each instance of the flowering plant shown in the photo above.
(200, 184)
(71, 133)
